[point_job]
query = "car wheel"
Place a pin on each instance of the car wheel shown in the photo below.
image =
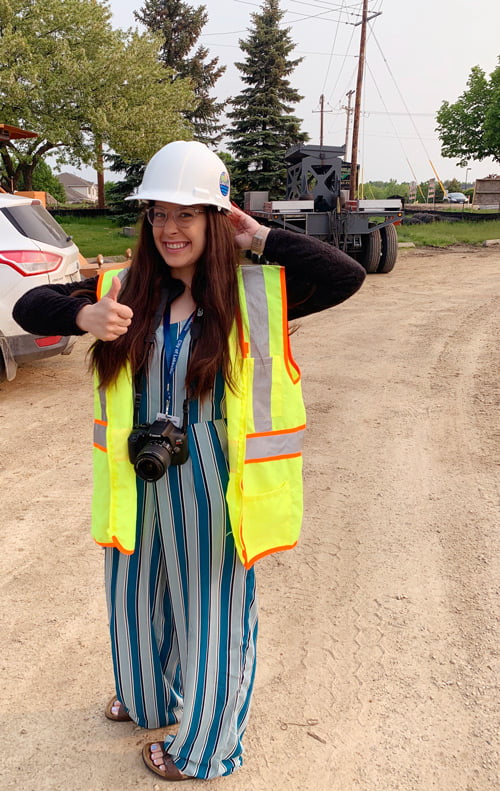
(8, 365)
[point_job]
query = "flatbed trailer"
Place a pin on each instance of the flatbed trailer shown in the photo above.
(317, 204)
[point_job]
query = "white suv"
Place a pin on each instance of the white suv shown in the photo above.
(34, 251)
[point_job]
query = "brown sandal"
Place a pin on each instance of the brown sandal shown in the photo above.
(171, 772)
(121, 716)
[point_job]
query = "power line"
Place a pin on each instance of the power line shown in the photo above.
(401, 96)
(331, 52)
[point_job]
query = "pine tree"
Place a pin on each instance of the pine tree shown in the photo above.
(263, 126)
(180, 25)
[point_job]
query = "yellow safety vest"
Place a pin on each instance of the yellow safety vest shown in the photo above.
(265, 427)
(265, 420)
(114, 497)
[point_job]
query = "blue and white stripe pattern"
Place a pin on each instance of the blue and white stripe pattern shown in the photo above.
(182, 608)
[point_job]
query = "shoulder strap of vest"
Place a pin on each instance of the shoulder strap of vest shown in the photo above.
(105, 280)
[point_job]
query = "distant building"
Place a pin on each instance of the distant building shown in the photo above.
(78, 190)
(487, 193)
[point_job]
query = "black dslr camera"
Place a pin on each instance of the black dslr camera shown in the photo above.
(153, 447)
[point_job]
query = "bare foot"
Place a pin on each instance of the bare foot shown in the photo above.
(118, 709)
(163, 763)
(158, 757)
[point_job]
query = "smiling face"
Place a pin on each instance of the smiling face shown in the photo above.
(180, 247)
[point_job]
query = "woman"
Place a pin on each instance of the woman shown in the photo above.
(192, 362)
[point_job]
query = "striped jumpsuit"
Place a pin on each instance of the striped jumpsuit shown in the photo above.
(182, 607)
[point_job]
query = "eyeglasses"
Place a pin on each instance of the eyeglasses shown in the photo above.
(183, 216)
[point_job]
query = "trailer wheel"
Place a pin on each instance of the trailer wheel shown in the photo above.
(372, 248)
(389, 249)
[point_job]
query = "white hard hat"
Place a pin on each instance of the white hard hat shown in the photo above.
(185, 172)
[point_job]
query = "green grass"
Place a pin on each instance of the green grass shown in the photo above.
(445, 234)
(97, 235)
(100, 235)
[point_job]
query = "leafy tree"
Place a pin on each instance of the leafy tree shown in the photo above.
(470, 127)
(377, 190)
(263, 126)
(44, 181)
(453, 185)
(67, 75)
(179, 26)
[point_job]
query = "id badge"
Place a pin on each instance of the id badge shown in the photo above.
(173, 419)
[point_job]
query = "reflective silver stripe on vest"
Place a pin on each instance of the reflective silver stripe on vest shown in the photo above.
(100, 437)
(274, 445)
(256, 297)
(100, 430)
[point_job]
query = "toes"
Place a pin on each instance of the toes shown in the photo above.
(157, 756)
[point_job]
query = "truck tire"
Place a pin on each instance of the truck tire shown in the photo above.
(372, 248)
(389, 249)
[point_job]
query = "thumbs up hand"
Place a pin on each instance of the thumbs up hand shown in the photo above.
(108, 318)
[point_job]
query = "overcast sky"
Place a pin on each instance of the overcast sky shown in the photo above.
(418, 54)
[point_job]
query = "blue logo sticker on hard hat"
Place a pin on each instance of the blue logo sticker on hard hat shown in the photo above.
(224, 183)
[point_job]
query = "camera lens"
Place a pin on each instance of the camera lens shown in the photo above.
(152, 462)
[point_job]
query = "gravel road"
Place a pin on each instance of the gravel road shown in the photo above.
(378, 648)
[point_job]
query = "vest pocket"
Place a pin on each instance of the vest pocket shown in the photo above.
(266, 519)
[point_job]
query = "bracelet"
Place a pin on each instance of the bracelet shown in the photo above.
(258, 243)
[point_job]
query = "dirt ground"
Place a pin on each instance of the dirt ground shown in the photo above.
(378, 647)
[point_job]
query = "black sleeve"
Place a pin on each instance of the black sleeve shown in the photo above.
(318, 275)
(52, 310)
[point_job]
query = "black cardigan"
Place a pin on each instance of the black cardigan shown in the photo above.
(318, 276)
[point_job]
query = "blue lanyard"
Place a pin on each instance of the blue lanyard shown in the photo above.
(172, 356)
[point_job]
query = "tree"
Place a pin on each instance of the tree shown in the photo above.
(378, 190)
(67, 75)
(470, 128)
(179, 26)
(45, 181)
(263, 126)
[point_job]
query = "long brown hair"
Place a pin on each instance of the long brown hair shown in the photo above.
(214, 288)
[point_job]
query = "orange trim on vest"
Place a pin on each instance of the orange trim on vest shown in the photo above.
(115, 545)
(249, 563)
(291, 366)
(99, 285)
(101, 422)
(277, 432)
(244, 345)
(274, 458)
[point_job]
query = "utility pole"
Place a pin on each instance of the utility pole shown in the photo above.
(348, 120)
(322, 112)
(357, 104)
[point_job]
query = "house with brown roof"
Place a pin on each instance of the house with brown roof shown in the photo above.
(78, 190)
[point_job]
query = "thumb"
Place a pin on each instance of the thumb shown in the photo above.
(113, 292)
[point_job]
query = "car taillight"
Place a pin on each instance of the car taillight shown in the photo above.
(30, 262)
